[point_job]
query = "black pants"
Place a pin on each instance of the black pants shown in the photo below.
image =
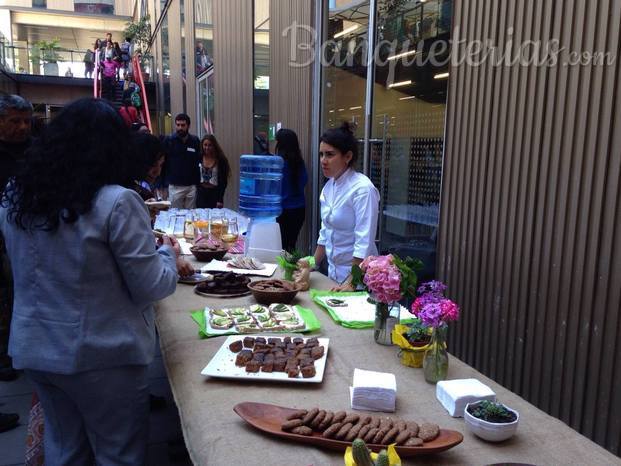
(107, 88)
(206, 198)
(290, 222)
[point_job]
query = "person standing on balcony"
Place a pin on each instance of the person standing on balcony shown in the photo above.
(15, 130)
(126, 54)
(181, 174)
(89, 61)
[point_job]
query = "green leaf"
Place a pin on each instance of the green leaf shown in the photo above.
(356, 276)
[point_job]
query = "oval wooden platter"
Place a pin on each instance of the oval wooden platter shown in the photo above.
(268, 418)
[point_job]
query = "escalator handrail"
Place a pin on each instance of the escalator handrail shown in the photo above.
(146, 117)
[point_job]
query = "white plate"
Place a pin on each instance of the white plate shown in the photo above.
(222, 365)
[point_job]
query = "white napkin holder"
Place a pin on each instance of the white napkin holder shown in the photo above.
(373, 391)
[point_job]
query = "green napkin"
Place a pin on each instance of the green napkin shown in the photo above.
(316, 294)
(312, 323)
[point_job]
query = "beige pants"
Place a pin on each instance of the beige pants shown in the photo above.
(182, 197)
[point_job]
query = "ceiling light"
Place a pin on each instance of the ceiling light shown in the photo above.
(404, 54)
(341, 109)
(400, 84)
(441, 76)
(346, 31)
(355, 108)
(407, 98)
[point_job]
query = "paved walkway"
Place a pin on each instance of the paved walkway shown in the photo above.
(166, 446)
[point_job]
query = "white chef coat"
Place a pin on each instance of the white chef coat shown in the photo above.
(349, 208)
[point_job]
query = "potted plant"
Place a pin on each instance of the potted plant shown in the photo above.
(48, 52)
(413, 339)
(490, 420)
(388, 279)
(139, 33)
(288, 261)
(435, 311)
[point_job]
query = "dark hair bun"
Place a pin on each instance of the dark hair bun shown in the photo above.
(347, 126)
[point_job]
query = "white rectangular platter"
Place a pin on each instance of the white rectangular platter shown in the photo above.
(222, 365)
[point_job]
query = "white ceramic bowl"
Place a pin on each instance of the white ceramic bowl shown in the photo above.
(488, 430)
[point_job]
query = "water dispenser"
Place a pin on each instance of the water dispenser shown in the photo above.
(260, 184)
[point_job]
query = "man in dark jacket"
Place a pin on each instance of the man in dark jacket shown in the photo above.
(15, 128)
(181, 169)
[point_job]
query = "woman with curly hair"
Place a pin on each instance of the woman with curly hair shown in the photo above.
(215, 172)
(86, 274)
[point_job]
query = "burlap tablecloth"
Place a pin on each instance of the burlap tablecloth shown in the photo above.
(215, 435)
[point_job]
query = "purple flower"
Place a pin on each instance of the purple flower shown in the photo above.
(433, 286)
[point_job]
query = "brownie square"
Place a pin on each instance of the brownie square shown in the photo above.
(312, 342)
(279, 364)
(308, 371)
(236, 346)
(286, 340)
(317, 352)
(293, 372)
(273, 341)
(267, 366)
(307, 362)
(253, 366)
(243, 357)
(297, 340)
(248, 342)
(258, 357)
(268, 358)
(260, 340)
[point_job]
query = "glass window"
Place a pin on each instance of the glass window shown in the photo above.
(203, 39)
(261, 75)
(344, 78)
(408, 116)
(102, 7)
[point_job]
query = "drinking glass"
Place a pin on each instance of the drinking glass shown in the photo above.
(230, 230)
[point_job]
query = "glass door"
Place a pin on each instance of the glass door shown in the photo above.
(408, 116)
(344, 74)
(205, 104)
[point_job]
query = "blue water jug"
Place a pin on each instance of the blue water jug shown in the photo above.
(260, 183)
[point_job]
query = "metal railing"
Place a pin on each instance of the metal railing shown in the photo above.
(31, 60)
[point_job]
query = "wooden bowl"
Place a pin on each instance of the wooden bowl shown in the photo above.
(207, 255)
(284, 295)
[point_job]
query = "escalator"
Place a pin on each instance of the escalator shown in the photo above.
(115, 96)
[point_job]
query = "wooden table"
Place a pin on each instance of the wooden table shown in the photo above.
(215, 435)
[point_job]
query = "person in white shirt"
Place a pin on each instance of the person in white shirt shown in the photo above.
(349, 208)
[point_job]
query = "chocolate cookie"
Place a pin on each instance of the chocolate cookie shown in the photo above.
(401, 424)
(331, 431)
(343, 431)
(339, 416)
(303, 430)
(353, 433)
(351, 418)
(379, 435)
(428, 431)
(306, 420)
(390, 436)
(370, 435)
(413, 442)
(403, 436)
(363, 431)
(290, 425)
(413, 427)
(321, 415)
(327, 421)
(375, 422)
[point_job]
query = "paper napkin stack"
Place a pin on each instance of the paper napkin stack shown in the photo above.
(373, 391)
(456, 394)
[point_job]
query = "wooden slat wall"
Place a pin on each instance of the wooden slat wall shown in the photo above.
(291, 87)
(233, 36)
(530, 230)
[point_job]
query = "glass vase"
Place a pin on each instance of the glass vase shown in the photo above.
(435, 363)
(386, 317)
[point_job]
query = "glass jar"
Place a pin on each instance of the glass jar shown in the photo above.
(386, 317)
(435, 363)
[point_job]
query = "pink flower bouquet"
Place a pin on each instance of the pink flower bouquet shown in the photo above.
(432, 308)
(387, 278)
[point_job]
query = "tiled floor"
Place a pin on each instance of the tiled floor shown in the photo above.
(166, 447)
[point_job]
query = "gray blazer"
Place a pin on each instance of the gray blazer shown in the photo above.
(84, 293)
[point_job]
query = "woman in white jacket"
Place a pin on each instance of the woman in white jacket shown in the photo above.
(349, 207)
